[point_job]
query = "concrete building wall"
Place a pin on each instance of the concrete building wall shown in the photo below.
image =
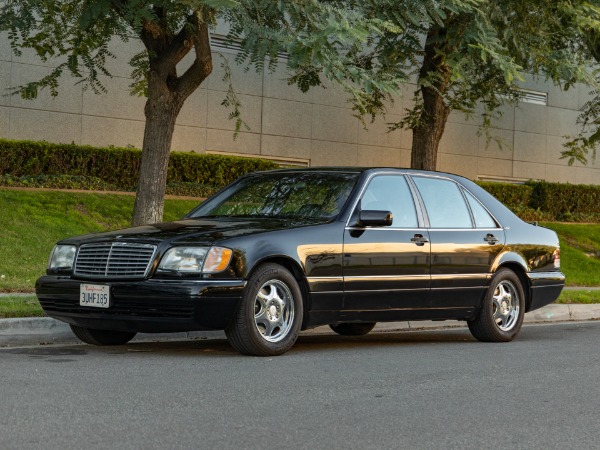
(316, 128)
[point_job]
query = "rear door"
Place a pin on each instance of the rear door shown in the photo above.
(465, 240)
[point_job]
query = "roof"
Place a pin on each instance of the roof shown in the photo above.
(347, 169)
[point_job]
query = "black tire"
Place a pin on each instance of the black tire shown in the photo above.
(500, 317)
(353, 329)
(102, 337)
(268, 320)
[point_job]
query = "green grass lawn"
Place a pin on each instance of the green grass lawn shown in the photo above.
(20, 306)
(582, 296)
(579, 252)
(33, 221)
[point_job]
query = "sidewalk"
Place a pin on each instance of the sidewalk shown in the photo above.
(44, 330)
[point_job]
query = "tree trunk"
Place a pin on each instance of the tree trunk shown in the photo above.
(161, 114)
(434, 115)
(427, 136)
(166, 94)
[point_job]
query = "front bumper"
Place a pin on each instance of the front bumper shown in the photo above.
(148, 306)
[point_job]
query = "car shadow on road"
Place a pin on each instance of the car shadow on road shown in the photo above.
(307, 343)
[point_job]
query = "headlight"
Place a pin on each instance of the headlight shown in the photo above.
(217, 260)
(62, 257)
(195, 259)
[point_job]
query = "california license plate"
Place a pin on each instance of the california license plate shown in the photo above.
(96, 295)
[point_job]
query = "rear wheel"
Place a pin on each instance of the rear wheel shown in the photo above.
(268, 320)
(102, 337)
(353, 329)
(501, 315)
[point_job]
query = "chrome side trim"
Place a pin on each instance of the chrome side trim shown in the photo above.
(455, 288)
(325, 279)
(387, 277)
(462, 276)
(391, 290)
(409, 309)
(539, 279)
(313, 282)
(554, 276)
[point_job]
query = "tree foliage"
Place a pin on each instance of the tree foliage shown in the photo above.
(462, 55)
(76, 35)
(459, 53)
(585, 16)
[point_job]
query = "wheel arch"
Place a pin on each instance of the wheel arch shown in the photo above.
(521, 272)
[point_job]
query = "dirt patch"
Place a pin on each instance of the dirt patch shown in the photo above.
(84, 191)
(589, 251)
(81, 209)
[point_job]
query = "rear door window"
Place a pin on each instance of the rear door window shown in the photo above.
(444, 202)
(480, 215)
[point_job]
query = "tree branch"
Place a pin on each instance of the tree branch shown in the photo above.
(181, 44)
(152, 37)
(202, 66)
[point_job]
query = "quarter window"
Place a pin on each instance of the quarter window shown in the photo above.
(391, 193)
(445, 204)
(481, 216)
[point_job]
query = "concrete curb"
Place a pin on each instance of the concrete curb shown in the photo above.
(44, 330)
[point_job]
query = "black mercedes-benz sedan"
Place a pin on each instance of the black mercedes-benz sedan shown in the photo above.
(281, 251)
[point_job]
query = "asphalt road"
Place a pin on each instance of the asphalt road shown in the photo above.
(430, 389)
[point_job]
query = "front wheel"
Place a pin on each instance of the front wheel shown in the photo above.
(501, 315)
(102, 337)
(268, 320)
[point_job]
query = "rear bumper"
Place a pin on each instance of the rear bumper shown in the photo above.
(545, 288)
(149, 306)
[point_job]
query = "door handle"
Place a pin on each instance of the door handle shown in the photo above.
(419, 239)
(490, 239)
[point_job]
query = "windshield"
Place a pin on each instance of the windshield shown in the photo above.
(318, 195)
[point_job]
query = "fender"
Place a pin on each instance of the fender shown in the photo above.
(509, 257)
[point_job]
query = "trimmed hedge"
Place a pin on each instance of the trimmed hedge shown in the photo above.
(96, 184)
(57, 182)
(42, 164)
(540, 200)
(119, 167)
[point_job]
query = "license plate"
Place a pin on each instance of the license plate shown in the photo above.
(96, 295)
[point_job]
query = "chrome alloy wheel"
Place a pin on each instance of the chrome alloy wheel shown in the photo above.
(274, 310)
(505, 305)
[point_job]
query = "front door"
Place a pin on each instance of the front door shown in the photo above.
(386, 267)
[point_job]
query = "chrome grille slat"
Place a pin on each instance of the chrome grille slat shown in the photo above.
(114, 259)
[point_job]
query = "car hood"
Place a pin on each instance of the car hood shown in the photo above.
(204, 231)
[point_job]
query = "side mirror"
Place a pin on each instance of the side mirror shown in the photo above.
(374, 218)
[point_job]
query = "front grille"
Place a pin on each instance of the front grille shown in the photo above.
(114, 260)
